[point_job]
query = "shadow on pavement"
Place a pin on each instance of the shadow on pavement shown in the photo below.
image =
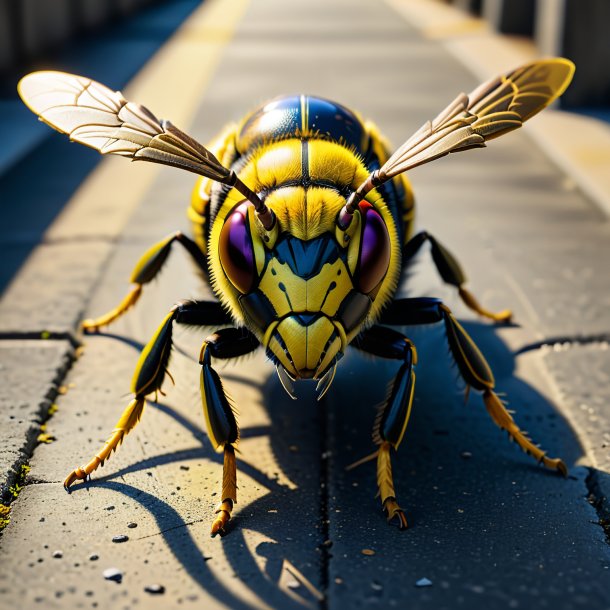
(480, 510)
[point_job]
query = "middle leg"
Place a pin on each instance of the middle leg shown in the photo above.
(471, 363)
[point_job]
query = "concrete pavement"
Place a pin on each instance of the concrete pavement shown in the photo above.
(489, 528)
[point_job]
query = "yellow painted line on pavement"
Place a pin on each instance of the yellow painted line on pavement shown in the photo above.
(171, 85)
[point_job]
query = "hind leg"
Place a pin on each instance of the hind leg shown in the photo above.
(451, 272)
(147, 268)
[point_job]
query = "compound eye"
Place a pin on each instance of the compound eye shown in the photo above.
(374, 258)
(236, 250)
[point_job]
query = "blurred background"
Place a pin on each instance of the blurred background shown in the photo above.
(110, 40)
(34, 31)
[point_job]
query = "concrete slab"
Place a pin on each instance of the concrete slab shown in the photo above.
(578, 144)
(165, 478)
(580, 374)
(490, 530)
(32, 372)
(52, 289)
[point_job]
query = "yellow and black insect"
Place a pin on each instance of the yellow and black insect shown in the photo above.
(302, 224)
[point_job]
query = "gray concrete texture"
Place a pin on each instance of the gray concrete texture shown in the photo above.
(489, 528)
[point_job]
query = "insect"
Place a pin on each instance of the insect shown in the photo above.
(302, 225)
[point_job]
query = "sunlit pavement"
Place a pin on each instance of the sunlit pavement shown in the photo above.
(488, 527)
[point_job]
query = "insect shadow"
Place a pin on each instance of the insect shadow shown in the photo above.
(456, 475)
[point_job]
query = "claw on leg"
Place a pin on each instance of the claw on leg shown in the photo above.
(130, 417)
(224, 516)
(78, 474)
(385, 482)
(395, 513)
(471, 302)
(229, 491)
(93, 325)
(502, 418)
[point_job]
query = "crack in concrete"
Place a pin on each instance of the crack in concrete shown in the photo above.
(170, 529)
(599, 501)
(80, 239)
(42, 335)
(567, 341)
(17, 477)
(36, 481)
(92, 238)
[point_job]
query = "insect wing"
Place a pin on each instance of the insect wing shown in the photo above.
(492, 109)
(94, 115)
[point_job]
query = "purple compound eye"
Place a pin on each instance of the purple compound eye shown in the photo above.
(236, 251)
(374, 258)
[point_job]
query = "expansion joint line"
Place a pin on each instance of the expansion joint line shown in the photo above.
(566, 341)
(324, 503)
(599, 501)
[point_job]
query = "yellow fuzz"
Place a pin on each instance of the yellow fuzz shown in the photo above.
(304, 213)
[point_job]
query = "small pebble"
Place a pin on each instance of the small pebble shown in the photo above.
(155, 589)
(58, 554)
(109, 507)
(113, 574)
(327, 543)
(466, 455)
(93, 557)
(368, 552)
(132, 525)
(120, 538)
(423, 582)
(184, 467)
(376, 586)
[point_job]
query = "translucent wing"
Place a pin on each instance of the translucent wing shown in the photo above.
(94, 115)
(492, 109)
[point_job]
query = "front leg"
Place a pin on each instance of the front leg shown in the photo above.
(219, 412)
(391, 422)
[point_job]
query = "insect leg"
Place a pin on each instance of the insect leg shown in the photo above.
(150, 373)
(391, 422)
(146, 270)
(471, 363)
(148, 377)
(219, 413)
(451, 272)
